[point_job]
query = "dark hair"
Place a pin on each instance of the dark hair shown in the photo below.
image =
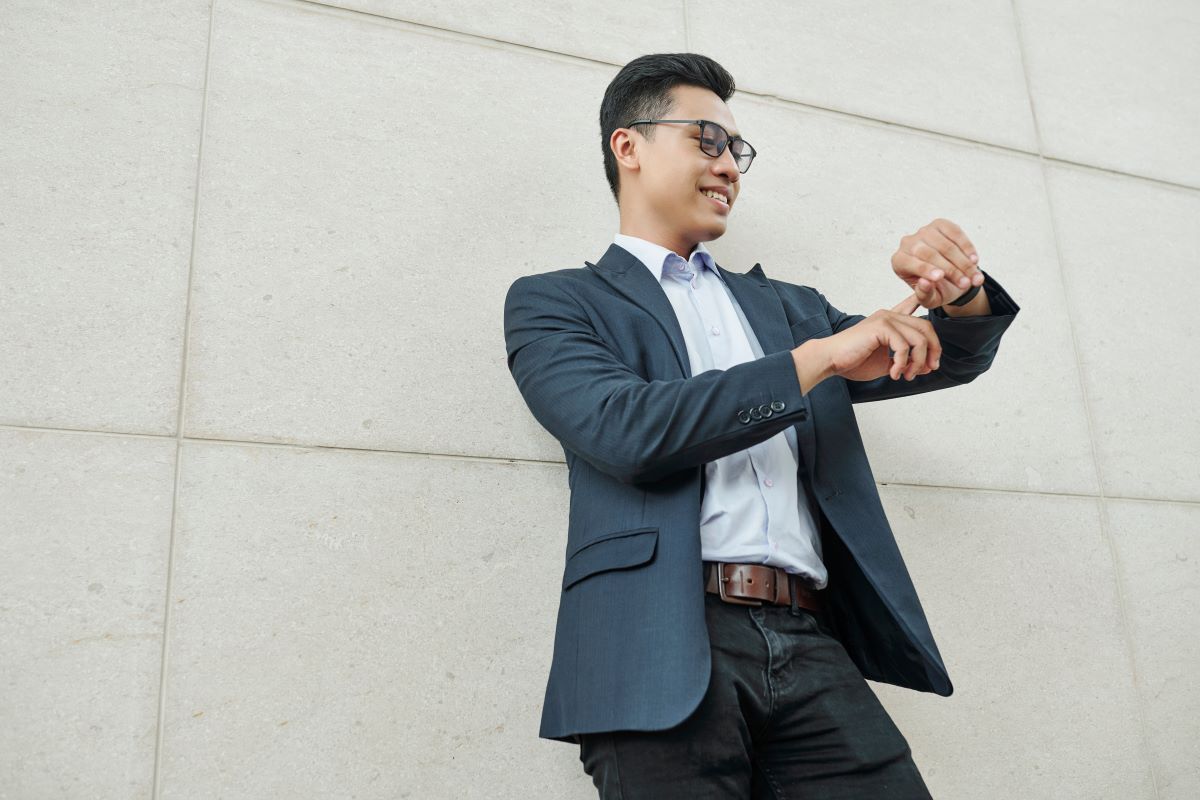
(642, 90)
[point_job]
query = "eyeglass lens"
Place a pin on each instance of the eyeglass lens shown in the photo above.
(713, 141)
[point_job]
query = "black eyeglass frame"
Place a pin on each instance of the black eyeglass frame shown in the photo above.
(702, 122)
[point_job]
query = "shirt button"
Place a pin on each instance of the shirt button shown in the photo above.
(769, 482)
(716, 331)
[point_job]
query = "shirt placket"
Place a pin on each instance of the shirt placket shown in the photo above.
(774, 498)
(683, 272)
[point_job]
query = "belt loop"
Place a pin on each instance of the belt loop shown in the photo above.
(792, 591)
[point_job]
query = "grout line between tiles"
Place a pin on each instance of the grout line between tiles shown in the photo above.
(435, 31)
(535, 462)
(1031, 493)
(156, 780)
(1101, 498)
(438, 32)
(180, 439)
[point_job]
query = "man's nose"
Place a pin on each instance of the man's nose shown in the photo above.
(727, 164)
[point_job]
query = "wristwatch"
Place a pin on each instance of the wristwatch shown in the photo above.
(967, 296)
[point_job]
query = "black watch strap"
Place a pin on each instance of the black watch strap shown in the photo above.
(967, 297)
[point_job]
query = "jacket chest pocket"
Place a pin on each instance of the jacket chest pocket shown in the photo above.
(611, 551)
(812, 326)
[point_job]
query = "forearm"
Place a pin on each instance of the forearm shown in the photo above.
(812, 364)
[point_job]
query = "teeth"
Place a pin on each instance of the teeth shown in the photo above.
(721, 197)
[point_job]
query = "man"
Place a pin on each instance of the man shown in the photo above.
(730, 577)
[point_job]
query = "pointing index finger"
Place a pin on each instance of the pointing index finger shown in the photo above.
(908, 305)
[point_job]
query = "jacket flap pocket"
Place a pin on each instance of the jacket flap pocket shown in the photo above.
(811, 326)
(611, 551)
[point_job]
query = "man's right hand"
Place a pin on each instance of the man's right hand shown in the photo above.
(864, 351)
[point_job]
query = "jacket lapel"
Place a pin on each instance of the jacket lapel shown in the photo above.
(624, 272)
(754, 294)
(762, 307)
(766, 315)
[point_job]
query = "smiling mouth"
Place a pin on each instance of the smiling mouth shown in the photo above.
(716, 203)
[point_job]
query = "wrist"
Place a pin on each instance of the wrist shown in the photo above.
(972, 302)
(966, 296)
(812, 362)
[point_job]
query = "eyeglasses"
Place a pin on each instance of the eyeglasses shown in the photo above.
(713, 139)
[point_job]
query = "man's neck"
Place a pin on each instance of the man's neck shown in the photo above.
(678, 245)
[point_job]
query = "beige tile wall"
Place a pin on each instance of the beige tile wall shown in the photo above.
(275, 520)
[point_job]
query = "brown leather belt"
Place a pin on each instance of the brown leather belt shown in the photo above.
(755, 584)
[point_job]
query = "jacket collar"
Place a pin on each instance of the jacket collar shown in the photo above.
(760, 303)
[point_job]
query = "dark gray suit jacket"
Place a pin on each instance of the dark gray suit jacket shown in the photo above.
(599, 358)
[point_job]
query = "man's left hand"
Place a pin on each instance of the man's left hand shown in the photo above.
(938, 263)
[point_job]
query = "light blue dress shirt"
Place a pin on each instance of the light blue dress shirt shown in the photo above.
(754, 510)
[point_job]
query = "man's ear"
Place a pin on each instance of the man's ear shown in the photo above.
(625, 148)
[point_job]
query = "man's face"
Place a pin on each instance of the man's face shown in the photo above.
(672, 171)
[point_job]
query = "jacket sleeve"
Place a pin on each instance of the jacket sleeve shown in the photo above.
(634, 429)
(969, 344)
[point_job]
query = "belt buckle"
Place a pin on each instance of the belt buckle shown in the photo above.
(721, 580)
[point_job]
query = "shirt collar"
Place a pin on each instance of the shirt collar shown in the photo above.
(656, 257)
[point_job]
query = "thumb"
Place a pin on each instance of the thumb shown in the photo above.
(908, 305)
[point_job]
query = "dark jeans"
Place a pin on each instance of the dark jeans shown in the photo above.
(787, 716)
